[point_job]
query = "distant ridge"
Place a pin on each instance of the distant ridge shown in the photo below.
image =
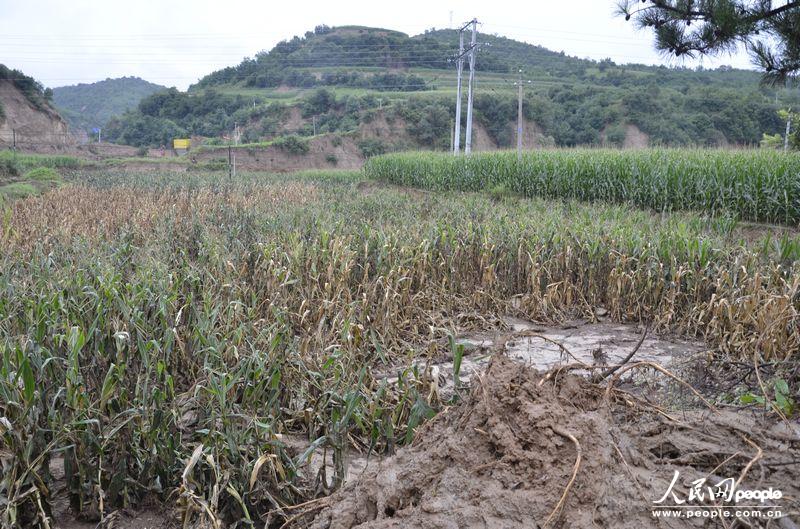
(89, 105)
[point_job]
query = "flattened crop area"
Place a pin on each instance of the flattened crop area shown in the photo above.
(312, 350)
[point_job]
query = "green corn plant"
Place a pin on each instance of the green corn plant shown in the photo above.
(752, 185)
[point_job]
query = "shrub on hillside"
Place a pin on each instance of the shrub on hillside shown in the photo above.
(8, 166)
(293, 144)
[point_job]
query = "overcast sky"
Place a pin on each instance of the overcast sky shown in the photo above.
(176, 42)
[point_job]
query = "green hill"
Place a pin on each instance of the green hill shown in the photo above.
(338, 80)
(86, 106)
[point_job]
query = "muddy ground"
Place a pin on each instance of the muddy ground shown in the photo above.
(531, 450)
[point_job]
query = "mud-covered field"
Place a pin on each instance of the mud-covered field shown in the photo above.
(317, 350)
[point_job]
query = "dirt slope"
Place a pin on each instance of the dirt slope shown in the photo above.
(325, 152)
(34, 127)
(506, 456)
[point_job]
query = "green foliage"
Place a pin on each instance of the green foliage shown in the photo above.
(428, 121)
(8, 165)
(771, 141)
(144, 131)
(170, 114)
(331, 159)
(18, 190)
(86, 106)
(500, 192)
(293, 144)
(686, 28)
(39, 174)
(781, 398)
(344, 46)
(616, 134)
(318, 102)
(32, 89)
(42, 174)
(370, 147)
(17, 163)
(756, 185)
(572, 101)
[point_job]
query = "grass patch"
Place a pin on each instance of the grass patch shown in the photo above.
(18, 190)
(25, 162)
(176, 160)
(43, 175)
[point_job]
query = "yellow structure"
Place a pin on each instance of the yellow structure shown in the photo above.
(181, 143)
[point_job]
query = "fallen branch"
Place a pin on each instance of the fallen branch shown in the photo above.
(759, 453)
(563, 499)
(662, 370)
(610, 371)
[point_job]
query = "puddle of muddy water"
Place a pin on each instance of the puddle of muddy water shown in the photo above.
(590, 343)
(601, 343)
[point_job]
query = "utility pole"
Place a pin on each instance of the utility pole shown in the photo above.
(459, 69)
(519, 116)
(788, 130)
(14, 138)
(452, 137)
(236, 144)
(520, 84)
(473, 46)
(99, 132)
(314, 121)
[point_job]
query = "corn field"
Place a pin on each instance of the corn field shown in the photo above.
(762, 185)
(164, 335)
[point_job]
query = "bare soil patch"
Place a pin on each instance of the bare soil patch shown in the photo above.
(525, 449)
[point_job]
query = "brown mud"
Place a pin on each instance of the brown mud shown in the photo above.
(525, 449)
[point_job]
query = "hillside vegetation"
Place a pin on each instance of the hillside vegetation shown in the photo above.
(86, 106)
(340, 79)
(38, 96)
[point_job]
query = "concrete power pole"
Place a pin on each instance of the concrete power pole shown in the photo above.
(460, 69)
(519, 116)
(473, 46)
(788, 130)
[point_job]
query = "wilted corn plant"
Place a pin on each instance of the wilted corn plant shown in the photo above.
(167, 338)
(758, 185)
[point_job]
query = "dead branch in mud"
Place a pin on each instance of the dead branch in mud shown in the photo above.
(663, 370)
(563, 499)
(611, 370)
(746, 469)
(289, 521)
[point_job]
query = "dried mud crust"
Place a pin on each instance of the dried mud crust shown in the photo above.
(504, 458)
